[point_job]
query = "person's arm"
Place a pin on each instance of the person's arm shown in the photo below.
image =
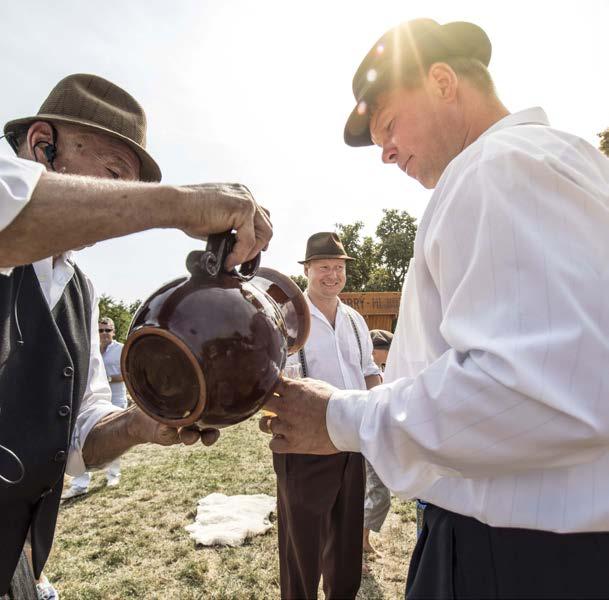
(66, 212)
(372, 372)
(520, 386)
(116, 433)
(373, 381)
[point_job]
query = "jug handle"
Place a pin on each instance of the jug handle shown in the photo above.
(209, 263)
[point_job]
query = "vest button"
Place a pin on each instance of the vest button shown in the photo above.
(60, 456)
(64, 410)
(68, 371)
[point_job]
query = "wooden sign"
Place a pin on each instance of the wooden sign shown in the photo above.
(379, 309)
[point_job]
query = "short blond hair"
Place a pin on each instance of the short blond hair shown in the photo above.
(106, 321)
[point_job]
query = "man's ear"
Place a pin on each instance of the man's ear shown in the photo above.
(443, 81)
(306, 269)
(39, 135)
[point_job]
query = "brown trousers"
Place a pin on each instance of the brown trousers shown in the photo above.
(320, 506)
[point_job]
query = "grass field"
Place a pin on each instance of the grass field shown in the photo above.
(130, 542)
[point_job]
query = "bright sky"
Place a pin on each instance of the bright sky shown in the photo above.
(258, 92)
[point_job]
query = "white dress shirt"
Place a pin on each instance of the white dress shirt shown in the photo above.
(112, 363)
(18, 178)
(332, 353)
(498, 401)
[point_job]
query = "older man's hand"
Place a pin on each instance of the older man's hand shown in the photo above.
(300, 422)
(218, 207)
(150, 431)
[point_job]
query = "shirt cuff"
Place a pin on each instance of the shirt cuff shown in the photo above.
(343, 418)
(372, 370)
(18, 178)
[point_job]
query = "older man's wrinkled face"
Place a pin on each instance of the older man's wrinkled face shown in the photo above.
(83, 151)
(415, 131)
(327, 276)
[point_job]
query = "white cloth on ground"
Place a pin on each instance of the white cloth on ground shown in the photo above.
(230, 520)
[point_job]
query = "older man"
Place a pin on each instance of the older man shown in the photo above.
(496, 411)
(82, 175)
(321, 498)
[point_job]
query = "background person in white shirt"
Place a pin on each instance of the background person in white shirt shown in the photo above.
(496, 407)
(320, 498)
(82, 175)
(111, 355)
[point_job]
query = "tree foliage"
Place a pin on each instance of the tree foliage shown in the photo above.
(604, 144)
(120, 312)
(300, 281)
(381, 262)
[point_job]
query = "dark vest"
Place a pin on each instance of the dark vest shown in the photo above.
(42, 382)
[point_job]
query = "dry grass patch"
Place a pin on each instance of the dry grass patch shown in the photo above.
(129, 541)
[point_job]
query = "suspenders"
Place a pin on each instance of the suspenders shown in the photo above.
(303, 358)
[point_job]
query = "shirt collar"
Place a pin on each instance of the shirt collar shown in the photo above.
(530, 116)
(316, 312)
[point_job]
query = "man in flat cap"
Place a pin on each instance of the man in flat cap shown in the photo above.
(82, 174)
(320, 499)
(495, 411)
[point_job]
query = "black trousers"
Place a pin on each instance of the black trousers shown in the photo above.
(320, 509)
(460, 557)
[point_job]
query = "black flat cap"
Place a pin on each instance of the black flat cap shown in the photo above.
(410, 45)
(381, 339)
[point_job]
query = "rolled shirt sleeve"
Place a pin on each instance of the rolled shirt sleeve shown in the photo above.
(97, 399)
(18, 178)
(369, 366)
(525, 374)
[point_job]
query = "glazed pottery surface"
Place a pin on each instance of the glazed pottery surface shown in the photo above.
(208, 349)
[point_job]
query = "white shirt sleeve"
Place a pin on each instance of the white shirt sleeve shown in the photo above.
(18, 178)
(369, 366)
(523, 382)
(97, 399)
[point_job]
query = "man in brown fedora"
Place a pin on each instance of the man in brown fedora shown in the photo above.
(320, 499)
(82, 174)
(495, 411)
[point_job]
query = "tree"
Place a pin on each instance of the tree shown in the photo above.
(396, 233)
(362, 250)
(604, 145)
(300, 280)
(382, 262)
(120, 312)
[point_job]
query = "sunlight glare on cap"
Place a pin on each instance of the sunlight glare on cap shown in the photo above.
(361, 108)
(380, 49)
(371, 75)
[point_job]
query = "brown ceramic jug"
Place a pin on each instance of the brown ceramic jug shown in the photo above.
(208, 349)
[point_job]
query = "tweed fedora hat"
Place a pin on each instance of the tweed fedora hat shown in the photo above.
(97, 104)
(325, 244)
(402, 51)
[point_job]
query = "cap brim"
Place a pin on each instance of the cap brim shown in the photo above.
(322, 256)
(357, 129)
(149, 170)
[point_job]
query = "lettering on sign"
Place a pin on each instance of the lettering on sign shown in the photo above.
(373, 303)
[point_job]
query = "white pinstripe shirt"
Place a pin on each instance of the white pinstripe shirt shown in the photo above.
(498, 406)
